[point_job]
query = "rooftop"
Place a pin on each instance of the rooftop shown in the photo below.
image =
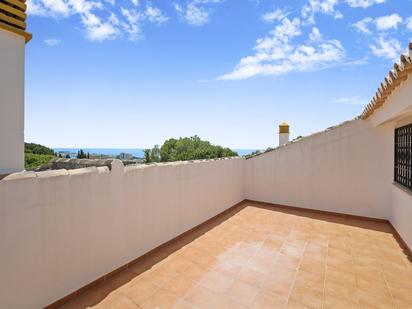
(265, 256)
(397, 75)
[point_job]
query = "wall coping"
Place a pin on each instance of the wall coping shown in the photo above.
(305, 138)
(26, 175)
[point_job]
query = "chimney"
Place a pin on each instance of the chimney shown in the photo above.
(283, 133)
(13, 37)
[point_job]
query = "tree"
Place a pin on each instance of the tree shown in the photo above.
(188, 148)
(155, 154)
(36, 155)
(82, 155)
(147, 155)
(37, 149)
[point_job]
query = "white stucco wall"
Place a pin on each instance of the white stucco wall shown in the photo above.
(339, 170)
(348, 169)
(11, 102)
(60, 230)
(397, 112)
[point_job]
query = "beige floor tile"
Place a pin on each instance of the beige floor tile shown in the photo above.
(185, 305)
(252, 277)
(162, 299)
(288, 261)
(342, 277)
(203, 297)
(140, 290)
(330, 302)
(346, 292)
(117, 302)
(315, 281)
(280, 282)
(228, 268)
(260, 257)
(307, 297)
(229, 303)
(217, 281)
(180, 285)
(242, 292)
(402, 297)
(313, 265)
(374, 298)
(266, 299)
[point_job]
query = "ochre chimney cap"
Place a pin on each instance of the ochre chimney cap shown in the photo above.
(283, 128)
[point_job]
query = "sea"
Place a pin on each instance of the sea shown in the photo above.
(136, 152)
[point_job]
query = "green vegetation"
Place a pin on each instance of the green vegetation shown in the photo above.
(187, 148)
(255, 153)
(36, 155)
(258, 152)
(82, 155)
(37, 149)
(33, 161)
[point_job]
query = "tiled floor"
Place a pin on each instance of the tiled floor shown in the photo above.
(267, 257)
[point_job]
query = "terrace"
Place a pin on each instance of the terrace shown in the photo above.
(168, 236)
(142, 236)
(258, 255)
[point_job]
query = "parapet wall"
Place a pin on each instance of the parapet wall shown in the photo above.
(60, 230)
(339, 170)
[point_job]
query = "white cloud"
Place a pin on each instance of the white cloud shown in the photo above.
(356, 100)
(194, 12)
(98, 17)
(52, 42)
(155, 15)
(101, 32)
(132, 26)
(90, 20)
(48, 8)
(313, 7)
(363, 3)
(409, 23)
(113, 19)
(388, 22)
(276, 54)
(386, 48)
(381, 24)
(362, 26)
(315, 35)
(58, 7)
(275, 15)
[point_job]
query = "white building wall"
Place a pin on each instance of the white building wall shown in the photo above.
(348, 169)
(397, 112)
(61, 230)
(339, 170)
(11, 102)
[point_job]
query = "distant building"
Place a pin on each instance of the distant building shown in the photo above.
(125, 156)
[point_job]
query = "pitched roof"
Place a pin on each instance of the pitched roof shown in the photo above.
(395, 78)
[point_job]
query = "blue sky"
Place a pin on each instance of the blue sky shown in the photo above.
(132, 73)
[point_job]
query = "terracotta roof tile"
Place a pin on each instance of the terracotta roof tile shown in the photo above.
(396, 76)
